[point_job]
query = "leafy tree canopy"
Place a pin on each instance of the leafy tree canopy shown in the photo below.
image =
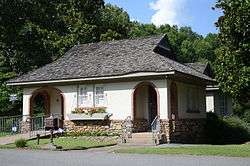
(232, 64)
(34, 33)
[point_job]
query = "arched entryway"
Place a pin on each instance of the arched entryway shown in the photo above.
(40, 103)
(145, 106)
(47, 101)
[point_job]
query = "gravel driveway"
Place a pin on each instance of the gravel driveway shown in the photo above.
(104, 158)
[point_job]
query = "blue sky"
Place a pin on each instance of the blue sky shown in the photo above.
(194, 13)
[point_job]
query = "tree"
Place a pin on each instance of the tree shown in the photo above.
(114, 23)
(35, 33)
(5, 104)
(232, 64)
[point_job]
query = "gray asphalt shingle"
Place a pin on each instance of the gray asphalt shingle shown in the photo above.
(108, 59)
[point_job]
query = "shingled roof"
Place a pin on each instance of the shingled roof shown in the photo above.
(110, 59)
(202, 67)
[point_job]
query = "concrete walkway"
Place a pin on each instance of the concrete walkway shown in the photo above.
(11, 138)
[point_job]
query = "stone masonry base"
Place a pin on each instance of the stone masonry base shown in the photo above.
(183, 131)
(178, 131)
(83, 126)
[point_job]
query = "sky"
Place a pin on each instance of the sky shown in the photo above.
(194, 13)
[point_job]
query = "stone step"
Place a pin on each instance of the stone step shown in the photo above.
(142, 135)
(143, 138)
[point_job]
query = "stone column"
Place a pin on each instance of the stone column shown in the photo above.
(25, 125)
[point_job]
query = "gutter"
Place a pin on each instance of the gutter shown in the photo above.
(141, 74)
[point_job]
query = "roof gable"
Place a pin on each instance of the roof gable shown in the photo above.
(164, 48)
(204, 68)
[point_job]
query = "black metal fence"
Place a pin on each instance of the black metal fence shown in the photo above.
(10, 125)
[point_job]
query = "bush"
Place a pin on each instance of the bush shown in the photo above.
(227, 130)
(20, 143)
(246, 116)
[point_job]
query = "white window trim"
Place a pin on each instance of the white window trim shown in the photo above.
(81, 101)
(96, 104)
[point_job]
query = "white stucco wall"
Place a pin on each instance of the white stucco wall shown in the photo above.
(118, 98)
(182, 89)
(27, 93)
(69, 93)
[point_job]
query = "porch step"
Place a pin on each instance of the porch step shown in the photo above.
(144, 138)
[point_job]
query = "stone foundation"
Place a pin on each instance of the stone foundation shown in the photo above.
(178, 131)
(183, 131)
(95, 125)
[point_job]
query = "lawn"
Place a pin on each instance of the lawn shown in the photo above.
(67, 143)
(3, 133)
(215, 150)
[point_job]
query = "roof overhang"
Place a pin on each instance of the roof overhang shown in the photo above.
(212, 87)
(131, 75)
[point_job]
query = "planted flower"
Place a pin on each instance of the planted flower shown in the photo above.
(89, 110)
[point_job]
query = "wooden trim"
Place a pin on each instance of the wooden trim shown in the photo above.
(134, 97)
(46, 101)
(174, 101)
(45, 90)
(126, 76)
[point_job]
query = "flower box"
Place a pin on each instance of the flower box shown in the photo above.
(94, 116)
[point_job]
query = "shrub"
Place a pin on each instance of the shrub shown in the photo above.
(227, 130)
(246, 116)
(20, 143)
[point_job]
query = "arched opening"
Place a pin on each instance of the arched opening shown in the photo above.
(145, 106)
(47, 101)
(174, 101)
(40, 104)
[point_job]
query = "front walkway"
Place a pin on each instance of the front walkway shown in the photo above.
(11, 138)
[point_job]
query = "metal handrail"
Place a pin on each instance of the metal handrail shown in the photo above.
(156, 117)
(156, 129)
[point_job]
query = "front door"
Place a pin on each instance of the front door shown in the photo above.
(152, 105)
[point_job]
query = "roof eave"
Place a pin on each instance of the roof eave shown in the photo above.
(131, 75)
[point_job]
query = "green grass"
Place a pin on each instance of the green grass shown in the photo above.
(67, 143)
(214, 150)
(3, 133)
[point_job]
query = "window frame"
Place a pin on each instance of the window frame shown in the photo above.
(83, 98)
(193, 98)
(98, 97)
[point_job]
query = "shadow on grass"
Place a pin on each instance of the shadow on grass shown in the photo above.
(85, 148)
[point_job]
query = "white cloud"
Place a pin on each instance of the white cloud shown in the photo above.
(167, 12)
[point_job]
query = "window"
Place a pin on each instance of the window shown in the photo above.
(193, 99)
(222, 105)
(83, 96)
(99, 96)
(91, 96)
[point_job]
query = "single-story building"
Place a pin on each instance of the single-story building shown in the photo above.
(216, 100)
(97, 86)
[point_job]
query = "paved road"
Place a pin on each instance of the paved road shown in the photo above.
(103, 158)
